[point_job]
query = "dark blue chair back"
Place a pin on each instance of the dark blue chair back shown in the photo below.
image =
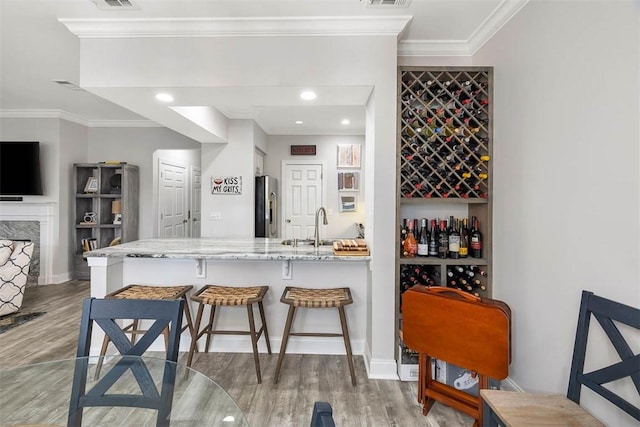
(322, 415)
(607, 313)
(104, 313)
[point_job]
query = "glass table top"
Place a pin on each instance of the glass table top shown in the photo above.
(40, 394)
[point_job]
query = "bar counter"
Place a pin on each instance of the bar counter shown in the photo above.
(245, 262)
(222, 249)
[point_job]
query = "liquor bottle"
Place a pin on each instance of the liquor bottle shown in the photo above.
(464, 242)
(476, 239)
(423, 241)
(443, 241)
(454, 240)
(403, 234)
(433, 239)
(410, 244)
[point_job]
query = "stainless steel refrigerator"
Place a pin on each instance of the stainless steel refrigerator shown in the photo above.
(266, 206)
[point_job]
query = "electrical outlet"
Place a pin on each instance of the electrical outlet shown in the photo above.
(287, 274)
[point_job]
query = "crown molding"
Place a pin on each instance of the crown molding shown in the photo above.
(253, 26)
(43, 114)
(64, 115)
(506, 10)
(490, 26)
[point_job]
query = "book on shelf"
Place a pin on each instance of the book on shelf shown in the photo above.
(89, 244)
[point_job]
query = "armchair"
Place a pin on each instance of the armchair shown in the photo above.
(15, 259)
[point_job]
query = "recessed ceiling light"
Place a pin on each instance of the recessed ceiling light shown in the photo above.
(164, 97)
(299, 122)
(308, 95)
(345, 121)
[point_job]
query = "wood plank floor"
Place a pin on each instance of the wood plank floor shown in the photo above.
(304, 378)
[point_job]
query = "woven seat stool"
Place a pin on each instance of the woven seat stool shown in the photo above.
(149, 292)
(230, 296)
(316, 298)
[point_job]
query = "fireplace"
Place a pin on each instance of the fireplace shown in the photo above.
(31, 221)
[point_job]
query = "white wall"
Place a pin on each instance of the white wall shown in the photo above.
(55, 136)
(137, 146)
(236, 215)
(73, 149)
(566, 182)
(341, 224)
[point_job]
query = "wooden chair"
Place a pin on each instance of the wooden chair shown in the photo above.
(480, 343)
(316, 298)
(514, 409)
(105, 312)
(230, 296)
(322, 415)
(147, 292)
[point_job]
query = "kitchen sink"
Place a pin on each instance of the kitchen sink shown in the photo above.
(305, 242)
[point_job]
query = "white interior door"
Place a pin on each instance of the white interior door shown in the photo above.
(195, 201)
(172, 200)
(302, 187)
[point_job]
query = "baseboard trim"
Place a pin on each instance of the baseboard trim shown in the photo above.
(510, 385)
(296, 345)
(55, 279)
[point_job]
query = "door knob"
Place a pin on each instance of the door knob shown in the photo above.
(289, 221)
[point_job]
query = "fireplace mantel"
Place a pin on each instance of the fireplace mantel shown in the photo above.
(43, 213)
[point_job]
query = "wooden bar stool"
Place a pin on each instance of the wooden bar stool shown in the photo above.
(230, 296)
(148, 292)
(316, 298)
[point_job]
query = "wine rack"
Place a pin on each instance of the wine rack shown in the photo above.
(445, 129)
(444, 168)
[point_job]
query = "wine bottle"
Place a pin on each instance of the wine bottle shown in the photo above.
(443, 241)
(454, 240)
(477, 270)
(476, 239)
(433, 239)
(410, 244)
(423, 241)
(464, 242)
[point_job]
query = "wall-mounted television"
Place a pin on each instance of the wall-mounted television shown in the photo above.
(20, 168)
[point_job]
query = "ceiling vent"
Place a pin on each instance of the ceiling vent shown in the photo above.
(388, 3)
(116, 5)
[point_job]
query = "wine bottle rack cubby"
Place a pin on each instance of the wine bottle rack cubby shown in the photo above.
(445, 133)
(444, 169)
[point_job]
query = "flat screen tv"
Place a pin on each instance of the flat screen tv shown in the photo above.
(20, 168)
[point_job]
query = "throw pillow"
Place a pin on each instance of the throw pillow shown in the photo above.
(6, 248)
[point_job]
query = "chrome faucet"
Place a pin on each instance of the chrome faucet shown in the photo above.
(316, 234)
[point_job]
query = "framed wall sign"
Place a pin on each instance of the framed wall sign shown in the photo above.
(303, 150)
(226, 185)
(349, 181)
(348, 155)
(348, 204)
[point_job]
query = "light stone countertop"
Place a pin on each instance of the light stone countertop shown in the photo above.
(221, 248)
